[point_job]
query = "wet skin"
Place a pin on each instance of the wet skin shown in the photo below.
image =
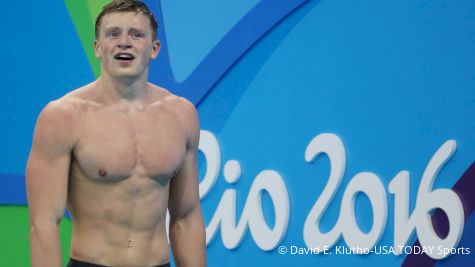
(117, 153)
(120, 175)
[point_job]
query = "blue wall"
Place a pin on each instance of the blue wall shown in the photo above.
(392, 80)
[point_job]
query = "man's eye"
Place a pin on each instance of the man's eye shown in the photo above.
(137, 35)
(112, 34)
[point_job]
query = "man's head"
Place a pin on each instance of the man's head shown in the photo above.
(126, 39)
(127, 6)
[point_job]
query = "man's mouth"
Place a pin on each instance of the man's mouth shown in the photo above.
(124, 57)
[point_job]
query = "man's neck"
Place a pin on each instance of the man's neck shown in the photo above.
(123, 89)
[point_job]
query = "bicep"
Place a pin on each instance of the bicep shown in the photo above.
(48, 166)
(183, 193)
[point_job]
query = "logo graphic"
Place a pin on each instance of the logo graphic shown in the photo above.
(405, 202)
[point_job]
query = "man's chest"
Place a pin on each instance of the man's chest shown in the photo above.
(116, 145)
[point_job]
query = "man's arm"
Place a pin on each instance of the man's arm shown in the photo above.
(47, 182)
(187, 232)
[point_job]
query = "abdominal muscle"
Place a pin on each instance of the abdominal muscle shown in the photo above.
(119, 220)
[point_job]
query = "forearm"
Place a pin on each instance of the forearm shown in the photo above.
(45, 246)
(188, 241)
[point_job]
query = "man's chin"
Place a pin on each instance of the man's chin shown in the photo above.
(126, 75)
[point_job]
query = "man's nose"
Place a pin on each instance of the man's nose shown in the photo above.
(124, 42)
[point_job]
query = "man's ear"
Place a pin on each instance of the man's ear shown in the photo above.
(155, 49)
(97, 49)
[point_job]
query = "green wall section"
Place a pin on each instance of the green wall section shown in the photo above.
(83, 13)
(14, 239)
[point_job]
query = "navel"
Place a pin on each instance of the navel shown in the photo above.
(102, 172)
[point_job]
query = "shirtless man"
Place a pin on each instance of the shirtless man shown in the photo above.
(117, 153)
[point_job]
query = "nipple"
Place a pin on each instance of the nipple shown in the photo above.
(102, 172)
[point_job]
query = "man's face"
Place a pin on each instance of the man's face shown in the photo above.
(125, 44)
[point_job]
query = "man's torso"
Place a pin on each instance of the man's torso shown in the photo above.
(121, 165)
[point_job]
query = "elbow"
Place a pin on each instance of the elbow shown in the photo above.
(192, 217)
(192, 224)
(43, 224)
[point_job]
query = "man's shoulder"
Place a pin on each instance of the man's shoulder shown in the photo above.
(81, 96)
(177, 103)
(183, 108)
(67, 109)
